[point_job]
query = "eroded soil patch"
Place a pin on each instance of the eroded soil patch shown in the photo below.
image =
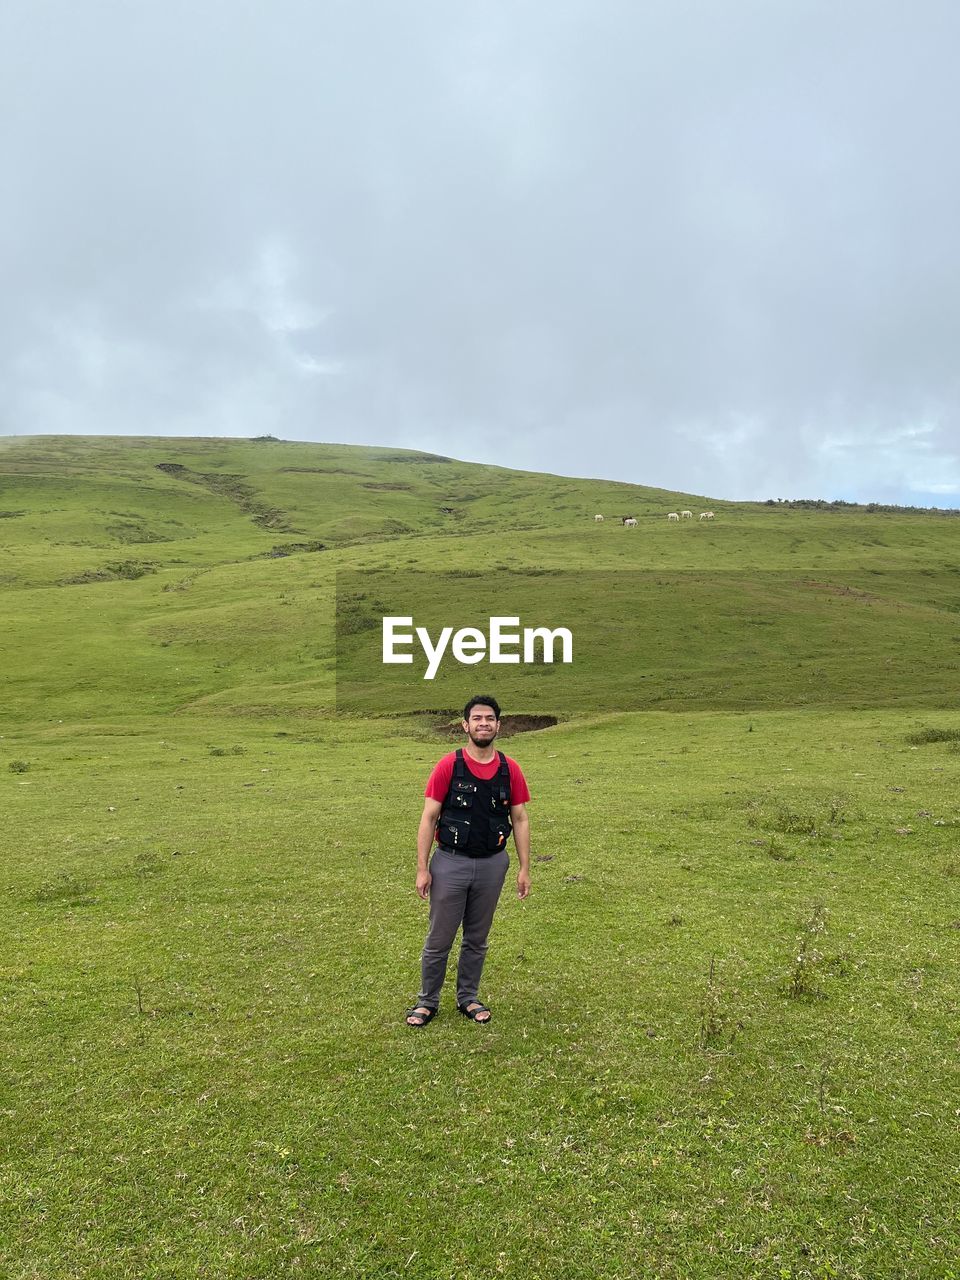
(235, 489)
(446, 724)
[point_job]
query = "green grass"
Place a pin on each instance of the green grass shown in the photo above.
(212, 931)
(208, 966)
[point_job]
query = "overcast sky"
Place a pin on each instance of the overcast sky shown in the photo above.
(710, 246)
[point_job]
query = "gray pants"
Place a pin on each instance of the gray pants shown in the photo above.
(463, 891)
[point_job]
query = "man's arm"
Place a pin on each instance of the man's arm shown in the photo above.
(521, 835)
(428, 825)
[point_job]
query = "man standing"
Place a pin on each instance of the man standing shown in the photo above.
(474, 797)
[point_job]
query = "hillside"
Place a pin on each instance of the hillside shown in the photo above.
(145, 576)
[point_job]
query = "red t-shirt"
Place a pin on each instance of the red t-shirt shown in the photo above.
(438, 783)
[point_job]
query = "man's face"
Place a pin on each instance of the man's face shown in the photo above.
(483, 725)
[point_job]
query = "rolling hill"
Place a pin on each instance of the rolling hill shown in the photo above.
(149, 576)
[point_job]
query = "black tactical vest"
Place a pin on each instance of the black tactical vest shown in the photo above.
(475, 818)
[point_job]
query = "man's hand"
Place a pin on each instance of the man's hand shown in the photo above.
(523, 884)
(424, 880)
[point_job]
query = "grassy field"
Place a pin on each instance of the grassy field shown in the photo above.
(725, 1022)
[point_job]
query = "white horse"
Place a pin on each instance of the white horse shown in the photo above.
(686, 515)
(630, 522)
(706, 515)
(674, 515)
(599, 519)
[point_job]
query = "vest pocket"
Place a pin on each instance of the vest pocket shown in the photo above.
(500, 832)
(453, 831)
(461, 794)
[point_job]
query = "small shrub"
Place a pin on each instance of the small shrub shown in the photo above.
(790, 823)
(778, 853)
(18, 766)
(351, 621)
(121, 569)
(933, 735)
(839, 965)
(711, 1016)
(218, 751)
(129, 569)
(838, 811)
(802, 980)
(786, 820)
(147, 864)
(63, 887)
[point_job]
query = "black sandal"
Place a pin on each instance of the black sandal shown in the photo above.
(472, 1013)
(418, 1013)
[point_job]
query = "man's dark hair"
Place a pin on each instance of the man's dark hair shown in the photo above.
(481, 701)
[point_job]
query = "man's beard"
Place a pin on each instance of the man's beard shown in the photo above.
(486, 736)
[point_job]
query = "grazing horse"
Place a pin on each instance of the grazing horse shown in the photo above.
(706, 515)
(630, 522)
(686, 515)
(599, 519)
(674, 515)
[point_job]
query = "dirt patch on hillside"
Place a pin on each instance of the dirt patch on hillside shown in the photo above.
(447, 724)
(235, 489)
(527, 724)
(288, 549)
(122, 570)
(323, 471)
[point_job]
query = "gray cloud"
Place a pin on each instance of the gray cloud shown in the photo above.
(697, 245)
